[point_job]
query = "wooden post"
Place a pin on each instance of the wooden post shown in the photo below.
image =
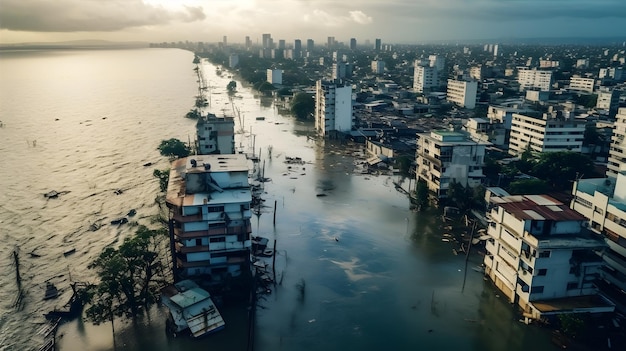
(274, 262)
(275, 212)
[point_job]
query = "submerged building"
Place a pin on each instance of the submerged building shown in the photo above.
(216, 135)
(542, 257)
(209, 198)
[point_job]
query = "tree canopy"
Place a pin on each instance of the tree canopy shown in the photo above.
(528, 187)
(231, 86)
(559, 169)
(174, 148)
(302, 105)
(126, 277)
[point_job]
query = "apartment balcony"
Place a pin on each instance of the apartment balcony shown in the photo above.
(186, 219)
(183, 263)
(178, 232)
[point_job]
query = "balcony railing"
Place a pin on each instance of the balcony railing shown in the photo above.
(212, 232)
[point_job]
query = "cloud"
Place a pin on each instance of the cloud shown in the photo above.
(89, 15)
(360, 17)
(326, 19)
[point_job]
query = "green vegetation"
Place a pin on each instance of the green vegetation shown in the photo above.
(421, 195)
(174, 148)
(464, 197)
(559, 169)
(528, 187)
(128, 277)
(163, 176)
(303, 105)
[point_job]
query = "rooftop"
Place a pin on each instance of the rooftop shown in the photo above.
(537, 207)
(572, 304)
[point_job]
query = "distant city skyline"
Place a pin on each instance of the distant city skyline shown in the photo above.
(394, 21)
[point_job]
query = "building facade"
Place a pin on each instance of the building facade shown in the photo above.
(333, 108)
(617, 151)
(216, 135)
(208, 197)
(582, 84)
(275, 76)
(443, 157)
(462, 93)
(533, 79)
(545, 134)
(378, 67)
(425, 78)
(538, 252)
(603, 202)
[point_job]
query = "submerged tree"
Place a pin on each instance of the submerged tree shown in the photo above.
(174, 148)
(421, 195)
(231, 87)
(302, 105)
(128, 277)
(163, 176)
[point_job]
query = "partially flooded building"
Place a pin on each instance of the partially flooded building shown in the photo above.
(209, 197)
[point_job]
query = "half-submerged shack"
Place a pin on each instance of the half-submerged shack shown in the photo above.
(191, 308)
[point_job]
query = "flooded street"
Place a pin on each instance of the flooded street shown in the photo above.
(356, 268)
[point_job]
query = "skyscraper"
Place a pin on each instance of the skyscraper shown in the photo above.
(352, 44)
(378, 45)
(310, 45)
(297, 48)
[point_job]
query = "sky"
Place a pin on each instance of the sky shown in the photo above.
(393, 21)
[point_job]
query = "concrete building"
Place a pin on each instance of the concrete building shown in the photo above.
(341, 70)
(352, 43)
(425, 78)
(378, 67)
(310, 45)
(608, 101)
(545, 134)
(233, 60)
(216, 135)
(603, 202)
(582, 84)
(275, 76)
(462, 93)
(439, 62)
(209, 197)
(267, 42)
(443, 157)
(534, 79)
(617, 152)
(613, 73)
(582, 63)
(541, 257)
(486, 130)
(297, 49)
(333, 108)
(378, 44)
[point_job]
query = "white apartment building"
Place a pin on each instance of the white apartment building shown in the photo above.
(209, 197)
(617, 151)
(443, 157)
(486, 130)
(333, 108)
(545, 134)
(437, 61)
(378, 67)
(462, 93)
(541, 256)
(603, 202)
(341, 70)
(608, 100)
(233, 60)
(534, 79)
(275, 76)
(425, 78)
(216, 135)
(582, 84)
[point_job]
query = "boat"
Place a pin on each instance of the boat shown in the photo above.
(260, 118)
(259, 243)
(51, 292)
(120, 220)
(191, 308)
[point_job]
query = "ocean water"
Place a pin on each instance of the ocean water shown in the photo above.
(375, 274)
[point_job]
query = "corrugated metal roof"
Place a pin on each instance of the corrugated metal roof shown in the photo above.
(537, 207)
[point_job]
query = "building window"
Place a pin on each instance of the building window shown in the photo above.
(216, 208)
(198, 242)
(537, 289)
(572, 285)
(219, 239)
(542, 271)
(545, 254)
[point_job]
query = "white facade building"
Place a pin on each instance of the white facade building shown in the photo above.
(608, 101)
(582, 84)
(617, 152)
(540, 256)
(216, 135)
(378, 67)
(443, 157)
(534, 79)
(209, 201)
(462, 93)
(603, 202)
(439, 62)
(275, 76)
(233, 60)
(545, 134)
(341, 70)
(425, 78)
(333, 108)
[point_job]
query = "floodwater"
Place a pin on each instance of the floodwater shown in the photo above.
(356, 268)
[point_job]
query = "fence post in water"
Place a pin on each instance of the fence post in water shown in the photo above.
(275, 212)
(274, 262)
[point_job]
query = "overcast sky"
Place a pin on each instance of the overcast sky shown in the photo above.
(394, 21)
